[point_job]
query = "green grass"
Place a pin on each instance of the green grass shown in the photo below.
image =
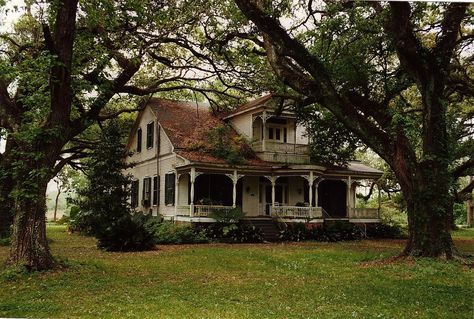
(309, 280)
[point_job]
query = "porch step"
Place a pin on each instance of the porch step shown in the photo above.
(268, 227)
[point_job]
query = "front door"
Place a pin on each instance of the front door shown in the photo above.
(280, 196)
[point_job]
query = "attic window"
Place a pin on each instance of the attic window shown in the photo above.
(139, 140)
(149, 134)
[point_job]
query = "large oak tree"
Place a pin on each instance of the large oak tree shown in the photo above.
(62, 67)
(397, 75)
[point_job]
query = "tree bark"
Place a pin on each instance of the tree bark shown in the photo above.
(429, 217)
(470, 207)
(29, 247)
(6, 214)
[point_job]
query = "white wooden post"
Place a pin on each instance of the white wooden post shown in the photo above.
(378, 199)
(234, 188)
(310, 186)
(273, 191)
(264, 137)
(176, 192)
(192, 178)
(349, 183)
(316, 195)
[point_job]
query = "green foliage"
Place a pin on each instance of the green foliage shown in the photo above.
(5, 241)
(104, 211)
(460, 213)
(331, 143)
(223, 145)
(242, 233)
(127, 233)
(227, 216)
(338, 231)
(167, 232)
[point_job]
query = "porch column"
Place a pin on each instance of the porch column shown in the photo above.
(378, 200)
(176, 192)
(273, 180)
(316, 197)
(264, 136)
(310, 186)
(234, 188)
(192, 178)
(348, 196)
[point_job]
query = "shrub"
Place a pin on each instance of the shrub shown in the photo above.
(166, 232)
(243, 233)
(337, 231)
(385, 231)
(294, 232)
(234, 232)
(5, 241)
(128, 233)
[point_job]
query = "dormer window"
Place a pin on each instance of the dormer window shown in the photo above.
(139, 140)
(149, 134)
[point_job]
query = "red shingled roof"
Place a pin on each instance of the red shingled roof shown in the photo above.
(187, 125)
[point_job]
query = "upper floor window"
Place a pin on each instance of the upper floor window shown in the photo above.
(277, 133)
(139, 140)
(149, 134)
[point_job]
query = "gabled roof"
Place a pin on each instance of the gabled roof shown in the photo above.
(187, 125)
(249, 106)
(184, 123)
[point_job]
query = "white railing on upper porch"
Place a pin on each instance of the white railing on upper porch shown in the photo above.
(364, 213)
(296, 212)
(272, 146)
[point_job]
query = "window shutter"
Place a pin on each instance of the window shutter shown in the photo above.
(149, 134)
(139, 140)
(134, 194)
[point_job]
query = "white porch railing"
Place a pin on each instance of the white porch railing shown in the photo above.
(296, 212)
(182, 210)
(200, 210)
(272, 146)
(364, 213)
(205, 210)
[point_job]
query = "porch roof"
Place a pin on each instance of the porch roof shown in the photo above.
(262, 168)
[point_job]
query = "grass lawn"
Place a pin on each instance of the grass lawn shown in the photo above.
(308, 280)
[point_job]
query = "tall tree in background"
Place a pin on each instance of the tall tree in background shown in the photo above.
(399, 76)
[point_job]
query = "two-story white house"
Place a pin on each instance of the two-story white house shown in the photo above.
(174, 176)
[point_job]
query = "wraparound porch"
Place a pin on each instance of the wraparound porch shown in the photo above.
(303, 195)
(202, 213)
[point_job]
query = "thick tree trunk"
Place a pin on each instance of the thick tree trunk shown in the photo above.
(430, 216)
(6, 204)
(29, 244)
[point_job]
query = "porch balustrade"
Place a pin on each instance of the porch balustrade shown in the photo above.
(271, 146)
(364, 213)
(296, 212)
(205, 210)
(200, 210)
(182, 210)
